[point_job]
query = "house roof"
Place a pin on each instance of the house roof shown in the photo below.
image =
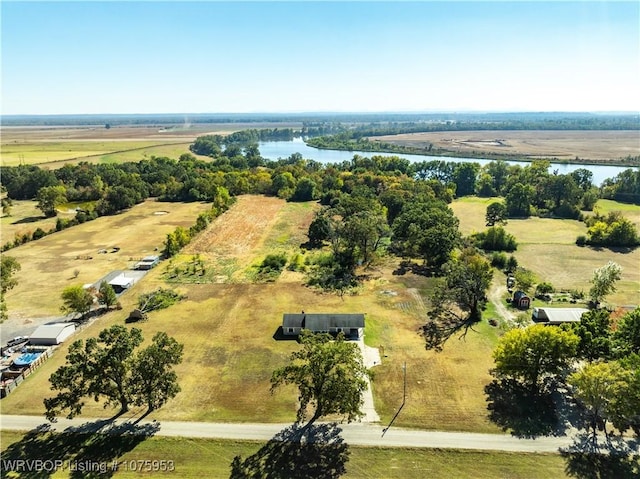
(322, 321)
(50, 331)
(561, 315)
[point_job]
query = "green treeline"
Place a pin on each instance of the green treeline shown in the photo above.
(525, 190)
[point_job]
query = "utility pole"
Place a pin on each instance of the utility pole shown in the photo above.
(404, 398)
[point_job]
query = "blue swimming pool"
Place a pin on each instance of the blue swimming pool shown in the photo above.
(26, 359)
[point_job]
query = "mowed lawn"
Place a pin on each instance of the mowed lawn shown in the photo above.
(211, 458)
(230, 352)
(48, 264)
(547, 247)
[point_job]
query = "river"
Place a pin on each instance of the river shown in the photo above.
(273, 150)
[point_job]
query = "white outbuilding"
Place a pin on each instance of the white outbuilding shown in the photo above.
(52, 334)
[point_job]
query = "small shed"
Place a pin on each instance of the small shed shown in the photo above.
(558, 315)
(147, 262)
(52, 334)
(521, 300)
(351, 325)
(121, 282)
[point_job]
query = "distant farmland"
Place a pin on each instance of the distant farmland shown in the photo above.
(560, 144)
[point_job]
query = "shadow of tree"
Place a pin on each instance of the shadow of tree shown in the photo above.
(615, 458)
(297, 452)
(88, 451)
(514, 407)
(29, 219)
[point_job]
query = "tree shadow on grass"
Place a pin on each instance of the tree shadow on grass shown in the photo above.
(614, 458)
(297, 452)
(514, 407)
(88, 451)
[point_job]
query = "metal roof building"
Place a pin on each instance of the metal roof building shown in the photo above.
(558, 315)
(352, 325)
(52, 334)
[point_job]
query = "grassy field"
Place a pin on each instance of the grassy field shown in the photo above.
(48, 264)
(228, 327)
(25, 219)
(593, 145)
(53, 147)
(195, 458)
(547, 247)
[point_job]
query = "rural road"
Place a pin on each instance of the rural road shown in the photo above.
(354, 434)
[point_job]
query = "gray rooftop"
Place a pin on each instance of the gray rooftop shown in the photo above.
(561, 315)
(322, 321)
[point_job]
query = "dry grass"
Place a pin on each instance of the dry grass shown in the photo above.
(230, 352)
(25, 219)
(547, 247)
(48, 264)
(592, 145)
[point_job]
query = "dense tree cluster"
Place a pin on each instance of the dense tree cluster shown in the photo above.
(612, 229)
(109, 369)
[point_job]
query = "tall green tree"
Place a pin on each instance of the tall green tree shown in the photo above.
(329, 375)
(106, 295)
(604, 281)
(534, 356)
(626, 337)
(624, 408)
(99, 368)
(459, 300)
(9, 266)
(76, 299)
(518, 200)
(496, 214)
(107, 369)
(427, 230)
(153, 379)
(594, 331)
(596, 386)
(362, 233)
(49, 198)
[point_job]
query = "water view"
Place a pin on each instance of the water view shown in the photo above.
(273, 150)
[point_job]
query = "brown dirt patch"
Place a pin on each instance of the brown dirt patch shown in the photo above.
(241, 229)
(592, 145)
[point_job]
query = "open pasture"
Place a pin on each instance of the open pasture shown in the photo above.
(230, 352)
(54, 146)
(25, 218)
(192, 456)
(567, 144)
(547, 247)
(48, 264)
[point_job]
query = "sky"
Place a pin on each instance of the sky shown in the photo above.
(297, 56)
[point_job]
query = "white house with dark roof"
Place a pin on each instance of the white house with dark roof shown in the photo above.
(351, 325)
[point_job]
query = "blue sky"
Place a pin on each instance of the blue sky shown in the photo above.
(160, 57)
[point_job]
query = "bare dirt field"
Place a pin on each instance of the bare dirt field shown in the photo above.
(591, 145)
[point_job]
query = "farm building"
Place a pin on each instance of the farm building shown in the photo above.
(558, 315)
(121, 282)
(521, 300)
(352, 325)
(147, 262)
(52, 334)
